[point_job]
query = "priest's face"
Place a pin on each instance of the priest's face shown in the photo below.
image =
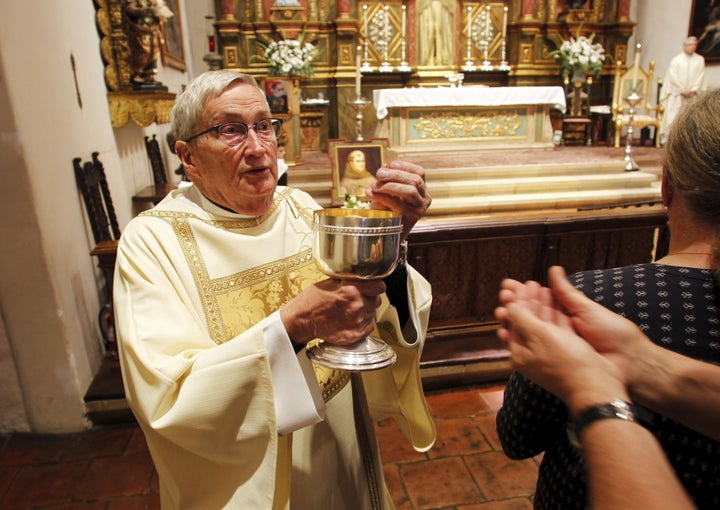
(356, 161)
(690, 46)
(238, 174)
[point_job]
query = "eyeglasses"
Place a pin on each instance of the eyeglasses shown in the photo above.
(235, 133)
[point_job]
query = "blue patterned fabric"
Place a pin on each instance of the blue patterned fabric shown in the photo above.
(676, 308)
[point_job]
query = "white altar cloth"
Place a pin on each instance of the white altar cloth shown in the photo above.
(467, 96)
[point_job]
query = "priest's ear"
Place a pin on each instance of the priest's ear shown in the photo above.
(184, 153)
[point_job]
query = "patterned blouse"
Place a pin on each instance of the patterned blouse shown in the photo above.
(677, 308)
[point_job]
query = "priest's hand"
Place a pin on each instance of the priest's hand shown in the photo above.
(341, 312)
(401, 188)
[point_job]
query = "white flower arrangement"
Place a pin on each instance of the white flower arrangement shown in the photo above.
(352, 202)
(580, 55)
(289, 57)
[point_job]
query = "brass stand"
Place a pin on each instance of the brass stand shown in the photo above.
(632, 100)
(214, 61)
(404, 67)
(358, 104)
(366, 67)
(504, 66)
(486, 65)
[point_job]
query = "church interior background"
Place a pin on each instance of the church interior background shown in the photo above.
(50, 288)
(505, 43)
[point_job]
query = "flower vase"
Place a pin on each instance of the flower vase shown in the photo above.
(576, 92)
(579, 77)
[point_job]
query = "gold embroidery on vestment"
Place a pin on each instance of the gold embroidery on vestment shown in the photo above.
(331, 380)
(235, 302)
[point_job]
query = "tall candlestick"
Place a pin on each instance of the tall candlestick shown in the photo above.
(504, 28)
(357, 71)
(636, 65)
(404, 20)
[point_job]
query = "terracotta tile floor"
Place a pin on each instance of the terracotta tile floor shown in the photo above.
(109, 468)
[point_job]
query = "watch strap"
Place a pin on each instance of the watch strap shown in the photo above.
(403, 254)
(617, 409)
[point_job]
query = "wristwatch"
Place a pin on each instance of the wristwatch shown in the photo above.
(618, 409)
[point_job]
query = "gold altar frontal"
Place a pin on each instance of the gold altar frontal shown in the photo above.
(471, 118)
(469, 128)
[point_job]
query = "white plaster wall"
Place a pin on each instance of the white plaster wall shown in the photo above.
(197, 37)
(662, 27)
(12, 408)
(50, 289)
(49, 296)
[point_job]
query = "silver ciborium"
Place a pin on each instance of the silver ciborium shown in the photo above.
(355, 244)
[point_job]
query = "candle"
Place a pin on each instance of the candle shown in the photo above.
(469, 21)
(404, 20)
(365, 30)
(504, 28)
(357, 71)
(487, 23)
(636, 65)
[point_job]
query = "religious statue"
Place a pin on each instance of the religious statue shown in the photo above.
(143, 21)
(435, 33)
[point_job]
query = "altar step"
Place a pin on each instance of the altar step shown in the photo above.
(502, 188)
(546, 192)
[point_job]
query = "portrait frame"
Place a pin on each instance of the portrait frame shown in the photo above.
(172, 51)
(277, 92)
(375, 151)
(705, 25)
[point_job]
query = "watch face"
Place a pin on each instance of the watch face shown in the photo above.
(622, 410)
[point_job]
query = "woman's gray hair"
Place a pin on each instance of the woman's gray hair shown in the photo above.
(692, 160)
(189, 103)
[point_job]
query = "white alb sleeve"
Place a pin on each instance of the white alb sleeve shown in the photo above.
(298, 400)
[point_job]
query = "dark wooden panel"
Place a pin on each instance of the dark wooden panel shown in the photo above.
(465, 259)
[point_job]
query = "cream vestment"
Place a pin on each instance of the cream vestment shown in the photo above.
(685, 73)
(232, 416)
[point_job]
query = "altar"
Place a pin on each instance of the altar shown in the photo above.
(464, 118)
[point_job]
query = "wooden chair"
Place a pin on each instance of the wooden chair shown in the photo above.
(160, 187)
(156, 162)
(648, 113)
(646, 133)
(92, 183)
(577, 122)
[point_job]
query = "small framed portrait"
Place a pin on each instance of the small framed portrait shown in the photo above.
(276, 91)
(705, 25)
(172, 52)
(353, 166)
